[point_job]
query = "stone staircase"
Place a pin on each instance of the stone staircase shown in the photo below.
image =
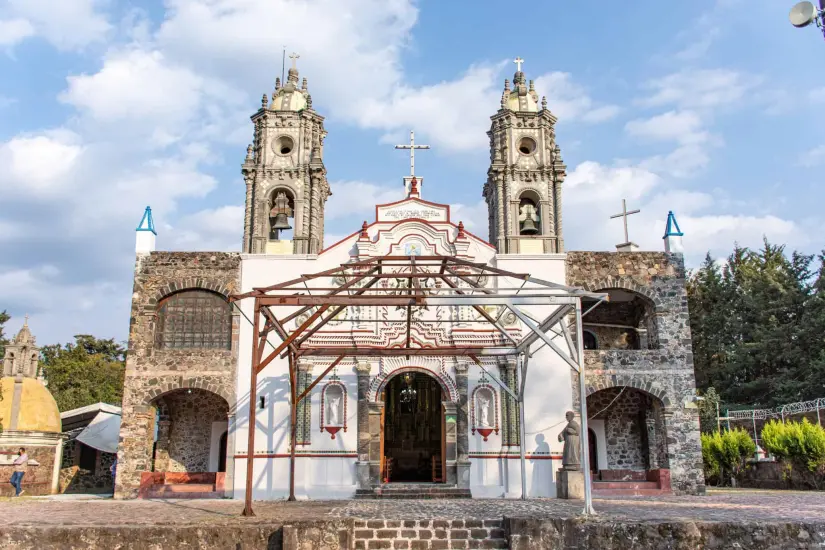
(182, 485)
(631, 483)
(413, 491)
(429, 534)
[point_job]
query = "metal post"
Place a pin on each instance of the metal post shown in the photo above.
(753, 419)
(253, 391)
(782, 411)
(293, 419)
(522, 429)
(818, 421)
(727, 418)
(583, 437)
(718, 421)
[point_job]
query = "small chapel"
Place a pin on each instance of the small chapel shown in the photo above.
(225, 399)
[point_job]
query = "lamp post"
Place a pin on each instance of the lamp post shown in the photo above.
(805, 13)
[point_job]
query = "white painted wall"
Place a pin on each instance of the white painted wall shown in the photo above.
(215, 444)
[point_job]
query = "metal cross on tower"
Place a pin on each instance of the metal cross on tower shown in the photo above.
(294, 57)
(624, 214)
(412, 147)
(518, 61)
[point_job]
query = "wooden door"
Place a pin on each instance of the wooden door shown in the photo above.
(443, 445)
(383, 473)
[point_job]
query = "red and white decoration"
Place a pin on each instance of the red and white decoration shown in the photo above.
(334, 407)
(484, 410)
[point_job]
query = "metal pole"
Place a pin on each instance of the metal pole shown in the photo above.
(583, 437)
(522, 430)
(718, 421)
(753, 419)
(293, 419)
(782, 411)
(727, 418)
(818, 421)
(253, 390)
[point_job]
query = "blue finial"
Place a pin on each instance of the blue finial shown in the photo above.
(672, 227)
(146, 222)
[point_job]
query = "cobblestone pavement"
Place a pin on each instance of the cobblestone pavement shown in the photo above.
(720, 505)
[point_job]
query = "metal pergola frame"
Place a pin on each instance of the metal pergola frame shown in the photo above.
(420, 281)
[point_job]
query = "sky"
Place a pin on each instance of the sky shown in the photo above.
(707, 108)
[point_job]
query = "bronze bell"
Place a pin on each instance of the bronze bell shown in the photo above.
(281, 222)
(528, 227)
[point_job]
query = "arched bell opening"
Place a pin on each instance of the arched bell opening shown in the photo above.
(529, 215)
(281, 215)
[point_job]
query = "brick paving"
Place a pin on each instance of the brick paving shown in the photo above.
(719, 506)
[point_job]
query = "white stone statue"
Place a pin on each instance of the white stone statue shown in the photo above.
(484, 408)
(334, 412)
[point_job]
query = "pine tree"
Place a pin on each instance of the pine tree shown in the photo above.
(4, 317)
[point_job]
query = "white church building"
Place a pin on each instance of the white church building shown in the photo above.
(387, 422)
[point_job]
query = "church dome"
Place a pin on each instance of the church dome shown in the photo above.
(34, 408)
(290, 97)
(522, 97)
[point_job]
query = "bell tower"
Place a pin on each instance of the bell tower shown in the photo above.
(523, 188)
(286, 182)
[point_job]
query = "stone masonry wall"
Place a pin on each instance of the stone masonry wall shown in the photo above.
(190, 429)
(623, 431)
(151, 372)
(665, 372)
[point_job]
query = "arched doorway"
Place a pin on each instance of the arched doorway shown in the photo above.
(413, 442)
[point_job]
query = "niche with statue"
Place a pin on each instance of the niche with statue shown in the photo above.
(334, 407)
(484, 410)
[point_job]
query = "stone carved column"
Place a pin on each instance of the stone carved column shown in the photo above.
(451, 443)
(315, 215)
(362, 466)
(247, 220)
(462, 437)
(376, 408)
(557, 205)
(500, 206)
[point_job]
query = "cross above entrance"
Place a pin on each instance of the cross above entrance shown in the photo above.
(412, 147)
(518, 61)
(624, 214)
(294, 57)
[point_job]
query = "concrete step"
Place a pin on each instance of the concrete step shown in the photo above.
(183, 490)
(413, 491)
(628, 485)
(629, 492)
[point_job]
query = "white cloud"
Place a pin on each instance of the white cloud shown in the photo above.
(67, 24)
(475, 217)
(812, 157)
(680, 126)
(39, 163)
(570, 101)
(682, 162)
(13, 31)
(351, 198)
(609, 183)
(817, 95)
(211, 229)
(699, 88)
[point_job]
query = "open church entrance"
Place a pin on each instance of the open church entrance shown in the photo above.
(413, 430)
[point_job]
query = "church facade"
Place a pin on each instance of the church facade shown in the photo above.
(377, 423)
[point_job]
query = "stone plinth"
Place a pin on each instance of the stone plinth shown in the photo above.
(570, 484)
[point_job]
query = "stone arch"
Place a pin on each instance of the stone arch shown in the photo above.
(625, 283)
(165, 387)
(447, 389)
(190, 283)
(636, 382)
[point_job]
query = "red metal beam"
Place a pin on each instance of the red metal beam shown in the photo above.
(253, 391)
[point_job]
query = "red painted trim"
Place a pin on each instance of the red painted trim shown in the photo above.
(301, 455)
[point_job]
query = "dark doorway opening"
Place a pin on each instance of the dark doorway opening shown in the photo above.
(593, 455)
(222, 453)
(413, 429)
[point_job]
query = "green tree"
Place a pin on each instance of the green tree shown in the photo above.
(707, 410)
(86, 372)
(4, 317)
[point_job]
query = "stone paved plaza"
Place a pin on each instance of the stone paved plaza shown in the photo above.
(719, 506)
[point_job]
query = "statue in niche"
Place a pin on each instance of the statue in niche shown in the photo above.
(571, 455)
(484, 409)
(528, 218)
(334, 412)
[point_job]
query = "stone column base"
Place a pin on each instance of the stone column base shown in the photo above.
(362, 475)
(570, 484)
(463, 474)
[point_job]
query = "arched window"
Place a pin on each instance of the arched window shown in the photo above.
(194, 319)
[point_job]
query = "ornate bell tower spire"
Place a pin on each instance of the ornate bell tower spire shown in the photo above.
(523, 188)
(286, 181)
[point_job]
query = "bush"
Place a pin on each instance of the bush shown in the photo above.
(800, 446)
(725, 455)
